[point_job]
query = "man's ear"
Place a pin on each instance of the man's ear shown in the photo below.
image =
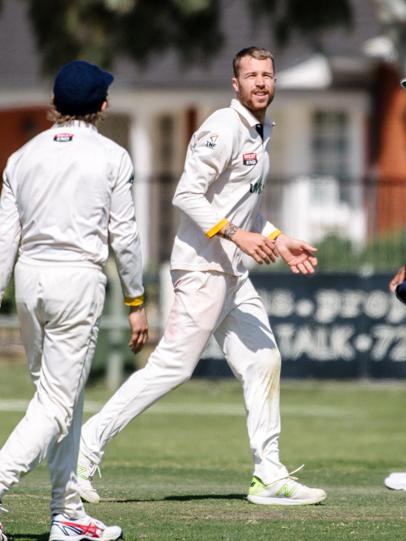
(235, 84)
(104, 106)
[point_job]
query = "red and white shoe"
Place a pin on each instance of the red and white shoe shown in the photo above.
(82, 529)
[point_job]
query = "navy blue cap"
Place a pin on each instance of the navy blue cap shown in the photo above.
(80, 88)
(401, 292)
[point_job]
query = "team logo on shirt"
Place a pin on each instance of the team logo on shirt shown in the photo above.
(211, 142)
(256, 187)
(63, 137)
(250, 158)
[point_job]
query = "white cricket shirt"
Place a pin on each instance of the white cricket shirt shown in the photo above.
(226, 167)
(66, 195)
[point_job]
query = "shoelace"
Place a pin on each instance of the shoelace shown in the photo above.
(93, 469)
(87, 472)
(288, 476)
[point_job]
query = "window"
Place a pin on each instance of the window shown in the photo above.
(330, 143)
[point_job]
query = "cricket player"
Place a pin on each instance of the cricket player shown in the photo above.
(66, 193)
(219, 197)
(397, 480)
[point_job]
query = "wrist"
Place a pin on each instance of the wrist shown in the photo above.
(281, 236)
(228, 231)
(133, 309)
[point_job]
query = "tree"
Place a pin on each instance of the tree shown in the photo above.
(392, 16)
(99, 30)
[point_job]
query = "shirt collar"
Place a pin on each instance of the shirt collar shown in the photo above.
(75, 124)
(249, 117)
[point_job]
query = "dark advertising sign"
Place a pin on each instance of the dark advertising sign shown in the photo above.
(334, 325)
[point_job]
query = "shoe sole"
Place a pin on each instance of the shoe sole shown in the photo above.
(263, 500)
(82, 538)
(395, 487)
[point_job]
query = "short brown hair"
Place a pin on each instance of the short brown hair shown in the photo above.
(256, 52)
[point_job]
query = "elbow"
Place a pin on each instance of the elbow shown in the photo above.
(179, 201)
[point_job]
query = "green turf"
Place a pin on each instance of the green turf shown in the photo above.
(181, 471)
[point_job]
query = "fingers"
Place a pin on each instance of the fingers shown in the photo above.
(265, 251)
(397, 279)
(138, 340)
(308, 247)
(264, 255)
(303, 264)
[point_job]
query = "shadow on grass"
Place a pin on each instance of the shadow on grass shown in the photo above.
(192, 497)
(28, 536)
(187, 498)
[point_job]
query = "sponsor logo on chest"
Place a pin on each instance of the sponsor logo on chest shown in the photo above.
(63, 137)
(249, 158)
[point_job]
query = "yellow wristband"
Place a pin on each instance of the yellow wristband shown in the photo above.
(216, 228)
(275, 234)
(137, 301)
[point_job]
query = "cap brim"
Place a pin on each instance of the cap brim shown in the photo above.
(403, 83)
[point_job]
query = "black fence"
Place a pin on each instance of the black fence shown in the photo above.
(357, 224)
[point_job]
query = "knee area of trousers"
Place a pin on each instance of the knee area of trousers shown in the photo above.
(267, 361)
(58, 413)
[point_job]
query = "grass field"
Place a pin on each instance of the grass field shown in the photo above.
(181, 471)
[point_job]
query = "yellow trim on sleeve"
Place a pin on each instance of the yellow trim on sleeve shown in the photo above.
(137, 301)
(275, 234)
(216, 228)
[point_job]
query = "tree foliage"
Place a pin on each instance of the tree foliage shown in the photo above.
(99, 30)
(309, 17)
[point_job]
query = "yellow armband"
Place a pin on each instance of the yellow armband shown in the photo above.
(275, 234)
(137, 301)
(216, 228)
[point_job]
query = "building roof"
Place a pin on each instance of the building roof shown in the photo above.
(20, 63)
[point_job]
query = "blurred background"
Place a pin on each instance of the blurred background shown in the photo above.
(338, 155)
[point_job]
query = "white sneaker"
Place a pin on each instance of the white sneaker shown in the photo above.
(284, 491)
(82, 529)
(85, 474)
(396, 481)
(3, 536)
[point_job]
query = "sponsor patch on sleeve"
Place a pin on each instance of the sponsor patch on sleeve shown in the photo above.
(250, 158)
(63, 137)
(211, 141)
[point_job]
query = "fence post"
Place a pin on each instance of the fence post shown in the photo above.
(115, 361)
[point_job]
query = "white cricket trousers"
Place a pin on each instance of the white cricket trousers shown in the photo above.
(205, 303)
(58, 306)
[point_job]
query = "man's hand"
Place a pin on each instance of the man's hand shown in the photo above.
(139, 328)
(297, 254)
(399, 277)
(255, 245)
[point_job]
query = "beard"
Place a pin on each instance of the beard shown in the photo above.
(251, 101)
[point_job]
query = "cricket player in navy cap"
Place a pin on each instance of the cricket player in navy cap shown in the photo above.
(65, 193)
